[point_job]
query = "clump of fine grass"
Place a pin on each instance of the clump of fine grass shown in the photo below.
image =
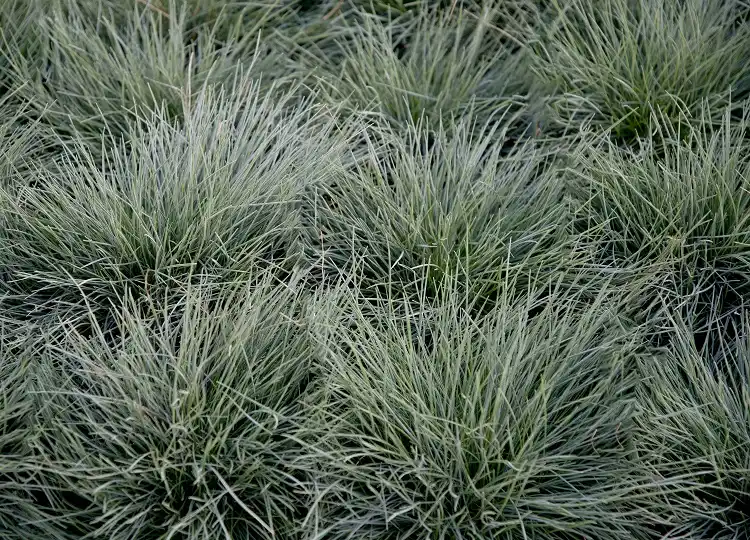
(694, 431)
(448, 201)
(206, 197)
(617, 65)
(437, 424)
(94, 77)
(184, 428)
(682, 216)
(438, 65)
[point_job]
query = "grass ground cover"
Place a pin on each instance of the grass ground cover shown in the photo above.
(382, 269)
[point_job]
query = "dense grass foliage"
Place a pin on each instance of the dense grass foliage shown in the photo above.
(438, 67)
(382, 269)
(450, 202)
(682, 215)
(186, 426)
(20, 513)
(699, 401)
(442, 425)
(100, 75)
(620, 63)
(206, 197)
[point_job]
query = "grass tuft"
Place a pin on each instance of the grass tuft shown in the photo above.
(185, 428)
(618, 65)
(447, 201)
(95, 77)
(681, 216)
(22, 514)
(694, 431)
(433, 66)
(203, 198)
(441, 425)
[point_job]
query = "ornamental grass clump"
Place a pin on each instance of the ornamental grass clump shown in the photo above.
(619, 65)
(185, 428)
(694, 431)
(438, 424)
(95, 77)
(434, 202)
(682, 217)
(18, 37)
(202, 198)
(436, 65)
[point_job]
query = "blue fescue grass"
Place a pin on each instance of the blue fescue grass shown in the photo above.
(680, 215)
(451, 201)
(186, 427)
(296, 270)
(694, 432)
(620, 64)
(434, 423)
(435, 65)
(207, 196)
(93, 77)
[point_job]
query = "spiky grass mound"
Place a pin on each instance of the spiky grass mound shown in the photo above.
(694, 433)
(206, 197)
(95, 77)
(618, 65)
(449, 202)
(437, 68)
(682, 215)
(22, 513)
(186, 427)
(437, 424)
